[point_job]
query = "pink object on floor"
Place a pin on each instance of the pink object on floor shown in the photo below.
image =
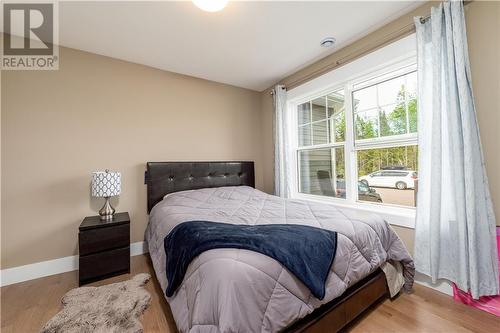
(489, 304)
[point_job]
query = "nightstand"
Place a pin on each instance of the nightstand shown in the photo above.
(104, 247)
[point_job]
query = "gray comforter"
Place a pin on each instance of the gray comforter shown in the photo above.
(231, 290)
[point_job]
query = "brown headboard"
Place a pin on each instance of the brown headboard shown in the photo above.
(166, 177)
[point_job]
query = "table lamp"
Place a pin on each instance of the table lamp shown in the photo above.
(106, 184)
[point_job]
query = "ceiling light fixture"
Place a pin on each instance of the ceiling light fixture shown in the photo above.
(210, 5)
(327, 42)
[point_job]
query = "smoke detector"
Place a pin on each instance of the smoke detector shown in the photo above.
(327, 42)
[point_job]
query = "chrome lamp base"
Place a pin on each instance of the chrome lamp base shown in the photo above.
(107, 211)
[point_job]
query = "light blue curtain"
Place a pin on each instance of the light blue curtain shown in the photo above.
(455, 223)
(281, 143)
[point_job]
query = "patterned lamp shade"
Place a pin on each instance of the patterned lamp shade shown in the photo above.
(106, 183)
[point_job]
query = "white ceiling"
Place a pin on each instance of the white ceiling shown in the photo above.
(248, 44)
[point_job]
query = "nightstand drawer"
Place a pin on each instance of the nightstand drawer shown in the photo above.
(102, 239)
(98, 265)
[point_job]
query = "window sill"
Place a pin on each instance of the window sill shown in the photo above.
(394, 215)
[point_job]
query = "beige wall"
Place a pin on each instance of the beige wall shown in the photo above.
(483, 28)
(483, 33)
(95, 113)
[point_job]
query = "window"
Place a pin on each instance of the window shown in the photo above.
(321, 137)
(358, 142)
(385, 114)
(394, 187)
(386, 109)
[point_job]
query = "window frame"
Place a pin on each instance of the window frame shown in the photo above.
(353, 76)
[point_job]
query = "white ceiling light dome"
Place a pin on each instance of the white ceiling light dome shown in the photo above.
(210, 5)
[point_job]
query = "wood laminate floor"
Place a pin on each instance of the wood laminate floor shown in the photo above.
(26, 306)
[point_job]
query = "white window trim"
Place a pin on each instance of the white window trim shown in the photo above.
(402, 54)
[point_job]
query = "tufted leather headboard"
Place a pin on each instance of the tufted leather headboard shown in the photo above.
(166, 177)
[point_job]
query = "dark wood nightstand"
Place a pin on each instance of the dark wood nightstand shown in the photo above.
(104, 247)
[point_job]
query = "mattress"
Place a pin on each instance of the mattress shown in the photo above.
(233, 290)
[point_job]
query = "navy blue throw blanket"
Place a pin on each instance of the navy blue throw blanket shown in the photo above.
(305, 251)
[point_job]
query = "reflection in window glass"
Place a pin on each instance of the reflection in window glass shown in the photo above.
(390, 173)
(321, 172)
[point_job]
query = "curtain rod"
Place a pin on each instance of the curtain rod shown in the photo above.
(426, 18)
(384, 40)
(272, 90)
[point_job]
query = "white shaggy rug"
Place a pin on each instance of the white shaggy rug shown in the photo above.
(113, 308)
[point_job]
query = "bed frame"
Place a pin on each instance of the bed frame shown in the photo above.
(162, 178)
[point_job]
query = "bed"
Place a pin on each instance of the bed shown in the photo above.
(233, 290)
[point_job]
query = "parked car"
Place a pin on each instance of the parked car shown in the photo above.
(400, 179)
(394, 167)
(365, 193)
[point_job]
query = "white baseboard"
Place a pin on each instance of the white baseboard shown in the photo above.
(68, 264)
(443, 286)
(51, 267)
(38, 270)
